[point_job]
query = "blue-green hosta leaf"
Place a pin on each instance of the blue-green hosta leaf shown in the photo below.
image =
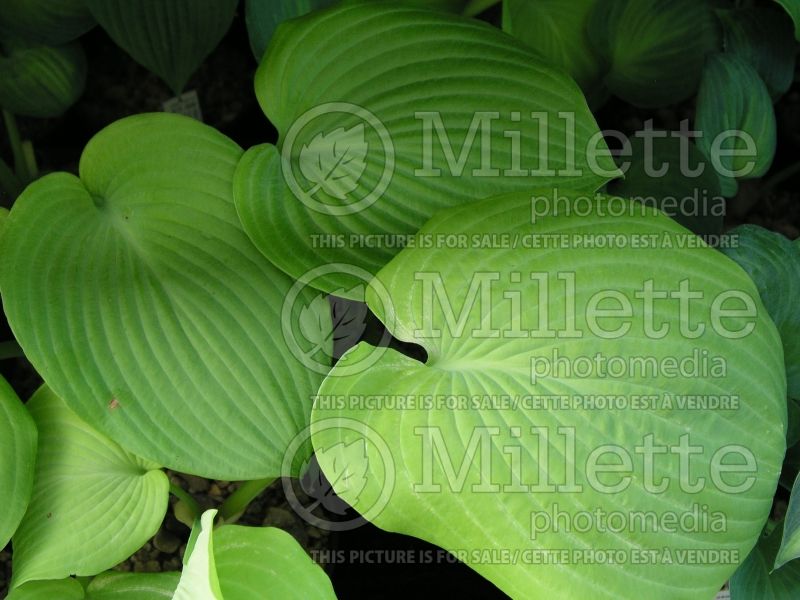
(42, 81)
(763, 37)
(790, 542)
(17, 458)
(63, 589)
(755, 578)
(793, 8)
(50, 22)
(156, 319)
(667, 174)
(655, 49)
(736, 119)
(93, 503)
(557, 32)
(111, 585)
(264, 16)
(773, 263)
(169, 37)
(396, 73)
(476, 450)
(242, 563)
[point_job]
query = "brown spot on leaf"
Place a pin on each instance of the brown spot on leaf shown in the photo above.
(114, 404)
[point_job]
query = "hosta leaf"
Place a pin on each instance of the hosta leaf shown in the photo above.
(17, 458)
(736, 119)
(755, 579)
(169, 37)
(790, 542)
(557, 32)
(132, 586)
(250, 562)
(199, 579)
(42, 81)
(266, 562)
(155, 318)
(391, 72)
(264, 16)
(763, 37)
(666, 174)
(93, 503)
(793, 8)
(773, 263)
(111, 585)
(655, 49)
(477, 479)
(46, 21)
(63, 589)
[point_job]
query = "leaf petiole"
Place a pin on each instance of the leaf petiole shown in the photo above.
(235, 505)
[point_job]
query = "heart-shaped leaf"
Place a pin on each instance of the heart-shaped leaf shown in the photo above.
(17, 458)
(793, 8)
(736, 119)
(755, 579)
(93, 503)
(762, 37)
(169, 37)
(667, 171)
(452, 110)
(517, 441)
(137, 295)
(773, 263)
(655, 49)
(41, 81)
(264, 16)
(50, 22)
(247, 563)
(557, 31)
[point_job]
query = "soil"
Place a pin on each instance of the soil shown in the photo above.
(117, 87)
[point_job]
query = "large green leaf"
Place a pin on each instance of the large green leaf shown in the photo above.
(655, 48)
(763, 37)
(665, 172)
(773, 263)
(135, 293)
(17, 458)
(111, 585)
(790, 541)
(755, 579)
(736, 120)
(353, 88)
(42, 81)
(264, 16)
(793, 8)
(169, 37)
(241, 563)
(93, 503)
(46, 21)
(469, 453)
(557, 31)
